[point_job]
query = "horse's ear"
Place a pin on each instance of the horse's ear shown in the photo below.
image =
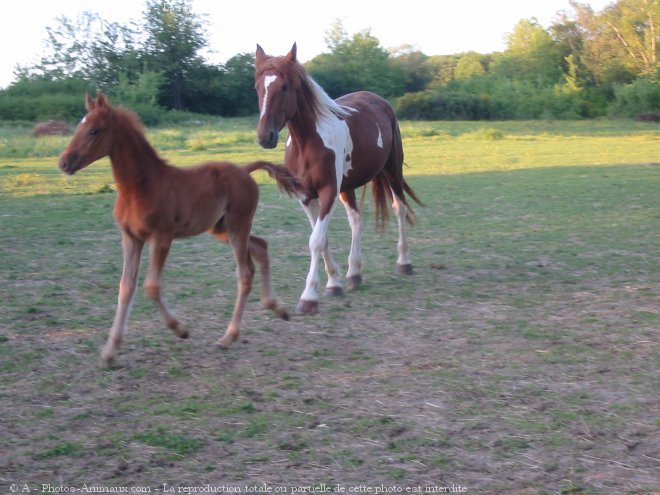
(292, 54)
(90, 104)
(260, 54)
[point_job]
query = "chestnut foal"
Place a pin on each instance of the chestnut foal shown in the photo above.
(157, 203)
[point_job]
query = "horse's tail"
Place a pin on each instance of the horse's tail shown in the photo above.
(286, 181)
(390, 182)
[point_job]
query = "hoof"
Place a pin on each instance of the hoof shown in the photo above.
(108, 360)
(280, 311)
(404, 269)
(307, 307)
(334, 291)
(354, 282)
(179, 330)
(226, 341)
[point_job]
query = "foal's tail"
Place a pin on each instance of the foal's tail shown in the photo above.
(390, 182)
(286, 181)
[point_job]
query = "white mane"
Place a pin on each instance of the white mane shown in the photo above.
(328, 106)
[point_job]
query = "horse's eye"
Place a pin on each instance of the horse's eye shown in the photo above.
(285, 88)
(93, 131)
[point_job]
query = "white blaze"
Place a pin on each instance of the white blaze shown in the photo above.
(268, 80)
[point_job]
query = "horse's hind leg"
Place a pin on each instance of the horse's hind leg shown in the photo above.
(403, 265)
(159, 248)
(132, 249)
(259, 251)
(354, 273)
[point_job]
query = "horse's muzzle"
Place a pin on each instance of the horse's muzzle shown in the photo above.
(69, 164)
(268, 140)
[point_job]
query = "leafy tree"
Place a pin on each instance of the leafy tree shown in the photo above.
(619, 43)
(442, 68)
(414, 65)
(174, 37)
(141, 95)
(469, 65)
(357, 63)
(633, 23)
(227, 90)
(89, 48)
(239, 85)
(531, 55)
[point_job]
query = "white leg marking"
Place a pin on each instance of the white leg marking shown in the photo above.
(331, 268)
(402, 245)
(317, 242)
(357, 227)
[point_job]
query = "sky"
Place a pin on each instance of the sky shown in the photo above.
(435, 27)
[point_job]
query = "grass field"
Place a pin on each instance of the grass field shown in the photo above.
(520, 358)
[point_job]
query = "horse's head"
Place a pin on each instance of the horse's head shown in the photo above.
(92, 139)
(276, 85)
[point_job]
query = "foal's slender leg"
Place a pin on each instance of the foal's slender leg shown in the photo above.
(354, 274)
(245, 273)
(333, 287)
(259, 252)
(403, 266)
(132, 249)
(159, 247)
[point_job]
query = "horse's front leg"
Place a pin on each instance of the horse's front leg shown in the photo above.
(333, 287)
(318, 242)
(239, 240)
(159, 248)
(132, 249)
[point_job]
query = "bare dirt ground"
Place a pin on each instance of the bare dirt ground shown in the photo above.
(520, 358)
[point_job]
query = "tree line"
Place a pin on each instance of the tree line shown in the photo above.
(586, 64)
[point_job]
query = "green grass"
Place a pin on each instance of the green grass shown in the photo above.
(65, 449)
(180, 444)
(522, 354)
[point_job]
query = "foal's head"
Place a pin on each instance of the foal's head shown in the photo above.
(92, 139)
(278, 80)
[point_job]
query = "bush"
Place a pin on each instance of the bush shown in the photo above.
(639, 97)
(442, 105)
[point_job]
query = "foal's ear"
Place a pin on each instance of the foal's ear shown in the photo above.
(292, 54)
(261, 54)
(101, 100)
(90, 104)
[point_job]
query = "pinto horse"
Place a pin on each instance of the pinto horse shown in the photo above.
(157, 203)
(334, 147)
